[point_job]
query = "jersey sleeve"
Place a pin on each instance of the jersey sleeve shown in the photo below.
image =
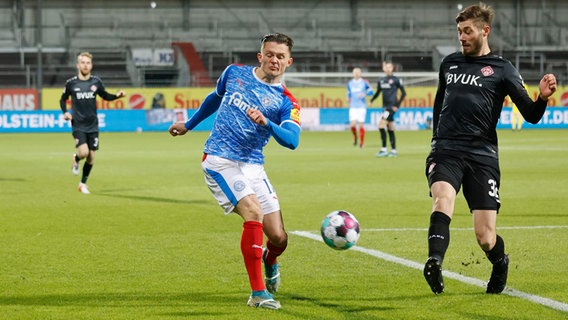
(207, 108)
(377, 93)
(369, 89)
(531, 110)
(402, 92)
(101, 91)
(439, 99)
(211, 103)
(287, 133)
(64, 96)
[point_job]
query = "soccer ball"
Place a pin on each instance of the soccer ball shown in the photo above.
(340, 230)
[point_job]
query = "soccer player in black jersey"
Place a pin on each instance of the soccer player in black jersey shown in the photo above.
(389, 86)
(472, 86)
(83, 89)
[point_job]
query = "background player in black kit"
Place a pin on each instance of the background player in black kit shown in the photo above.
(83, 90)
(472, 86)
(389, 85)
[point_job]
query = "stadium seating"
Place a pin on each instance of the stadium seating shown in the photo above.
(330, 36)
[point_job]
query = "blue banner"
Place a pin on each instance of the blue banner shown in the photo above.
(109, 120)
(312, 119)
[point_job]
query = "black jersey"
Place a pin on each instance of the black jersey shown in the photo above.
(389, 86)
(468, 103)
(84, 102)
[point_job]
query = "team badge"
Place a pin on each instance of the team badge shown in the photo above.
(266, 101)
(431, 167)
(487, 71)
(295, 115)
(239, 185)
(93, 88)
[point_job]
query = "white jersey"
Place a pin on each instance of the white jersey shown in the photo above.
(234, 136)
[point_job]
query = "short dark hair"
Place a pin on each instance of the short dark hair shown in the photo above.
(480, 13)
(278, 38)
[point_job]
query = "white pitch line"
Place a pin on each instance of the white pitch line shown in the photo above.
(557, 305)
(468, 229)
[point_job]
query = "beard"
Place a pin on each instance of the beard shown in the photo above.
(474, 48)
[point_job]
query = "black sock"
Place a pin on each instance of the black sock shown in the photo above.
(392, 139)
(438, 235)
(383, 137)
(77, 158)
(498, 252)
(86, 171)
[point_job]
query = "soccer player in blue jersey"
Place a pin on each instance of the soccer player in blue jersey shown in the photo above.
(252, 105)
(464, 151)
(358, 89)
(389, 85)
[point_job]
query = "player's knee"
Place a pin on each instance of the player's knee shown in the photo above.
(280, 239)
(486, 240)
(82, 153)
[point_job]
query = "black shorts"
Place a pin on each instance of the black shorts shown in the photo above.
(479, 175)
(388, 114)
(90, 138)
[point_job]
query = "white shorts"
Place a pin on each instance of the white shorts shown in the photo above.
(357, 114)
(230, 181)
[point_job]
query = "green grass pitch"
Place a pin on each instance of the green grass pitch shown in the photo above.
(150, 242)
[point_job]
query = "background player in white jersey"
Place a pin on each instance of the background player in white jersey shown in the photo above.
(83, 90)
(358, 89)
(252, 106)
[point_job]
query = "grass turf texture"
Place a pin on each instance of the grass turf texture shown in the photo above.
(150, 242)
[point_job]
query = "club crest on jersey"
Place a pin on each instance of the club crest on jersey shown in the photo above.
(487, 71)
(266, 101)
(93, 88)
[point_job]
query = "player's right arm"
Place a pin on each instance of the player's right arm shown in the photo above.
(438, 100)
(63, 102)
(377, 93)
(207, 108)
(211, 104)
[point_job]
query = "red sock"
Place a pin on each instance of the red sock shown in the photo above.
(273, 253)
(251, 248)
(362, 134)
(354, 130)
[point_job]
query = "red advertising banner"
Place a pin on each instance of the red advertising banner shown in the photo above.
(19, 100)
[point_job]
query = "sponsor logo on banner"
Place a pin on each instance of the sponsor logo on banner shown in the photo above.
(153, 57)
(18, 99)
(136, 101)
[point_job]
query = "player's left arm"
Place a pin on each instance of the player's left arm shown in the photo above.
(402, 93)
(103, 93)
(532, 111)
(286, 134)
(369, 90)
(377, 93)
